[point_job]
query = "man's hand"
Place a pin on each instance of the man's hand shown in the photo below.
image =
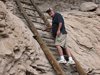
(47, 28)
(58, 32)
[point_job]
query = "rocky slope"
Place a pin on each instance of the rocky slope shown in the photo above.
(83, 40)
(20, 54)
(83, 35)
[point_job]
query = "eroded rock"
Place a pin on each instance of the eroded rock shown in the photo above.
(2, 23)
(1, 30)
(88, 6)
(98, 11)
(18, 50)
(83, 39)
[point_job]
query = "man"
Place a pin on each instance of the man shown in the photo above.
(59, 33)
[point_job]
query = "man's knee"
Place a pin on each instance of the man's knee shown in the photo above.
(57, 46)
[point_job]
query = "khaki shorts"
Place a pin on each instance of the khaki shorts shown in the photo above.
(61, 40)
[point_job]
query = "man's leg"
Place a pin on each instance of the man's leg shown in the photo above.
(71, 61)
(58, 43)
(68, 52)
(60, 51)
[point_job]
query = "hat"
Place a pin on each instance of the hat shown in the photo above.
(49, 10)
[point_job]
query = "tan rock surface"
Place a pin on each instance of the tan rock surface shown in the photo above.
(98, 11)
(19, 51)
(88, 6)
(83, 39)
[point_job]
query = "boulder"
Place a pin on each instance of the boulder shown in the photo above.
(88, 6)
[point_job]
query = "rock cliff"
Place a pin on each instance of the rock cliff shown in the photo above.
(20, 54)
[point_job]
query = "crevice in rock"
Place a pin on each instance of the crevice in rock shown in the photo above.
(29, 73)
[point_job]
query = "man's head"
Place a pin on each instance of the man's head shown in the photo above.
(51, 12)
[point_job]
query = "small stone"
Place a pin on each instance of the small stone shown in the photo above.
(98, 11)
(29, 62)
(2, 15)
(2, 23)
(1, 30)
(4, 50)
(21, 67)
(28, 48)
(31, 70)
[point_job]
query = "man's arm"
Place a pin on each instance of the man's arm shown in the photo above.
(59, 27)
(48, 28)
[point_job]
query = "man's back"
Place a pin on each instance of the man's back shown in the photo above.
(55, 24)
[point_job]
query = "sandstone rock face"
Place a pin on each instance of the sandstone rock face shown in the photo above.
(83, 39)
(20, 54)
(88, 6)
(2, 20)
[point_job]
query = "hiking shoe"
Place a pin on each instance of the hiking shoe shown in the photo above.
(71, 62)
(62, 61)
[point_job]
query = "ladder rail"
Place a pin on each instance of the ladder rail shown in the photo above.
(43, 45)
(45, 49)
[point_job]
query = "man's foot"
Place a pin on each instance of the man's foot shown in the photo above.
(71, 62)
(62, 61)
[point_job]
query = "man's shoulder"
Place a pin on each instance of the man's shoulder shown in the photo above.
(57, 13)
